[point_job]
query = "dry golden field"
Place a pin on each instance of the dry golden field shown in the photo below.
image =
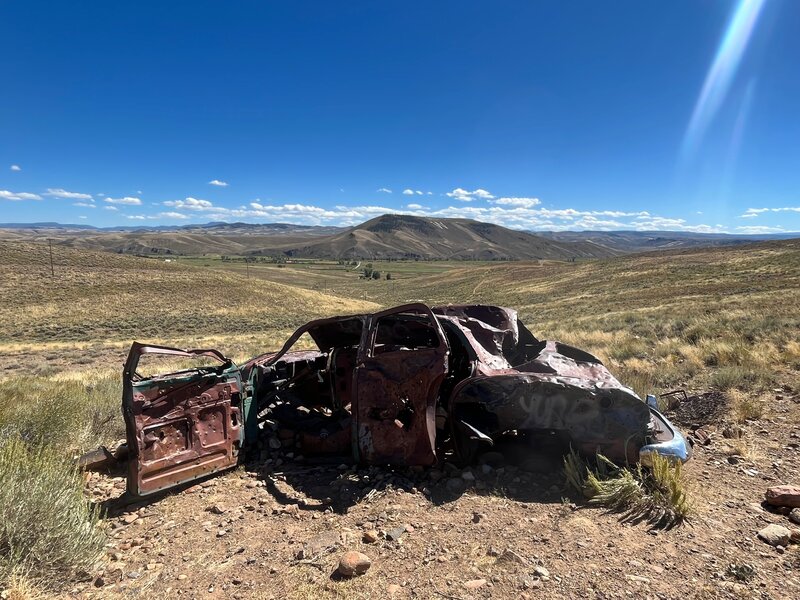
(722, 319)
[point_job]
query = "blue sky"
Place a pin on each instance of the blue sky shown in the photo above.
(538, 115)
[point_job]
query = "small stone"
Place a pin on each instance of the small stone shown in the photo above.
(216, 509)
(395, 534)
(794, 516)
(732, 432)
(509, 556)
(274, 443)
(134, 575)
(478, 517)
(392, 589)
(183, 577)
(354, 563)
(540, 571)
(468, 476)
(775, 535)
(129, 518)
(221, 533)
(474, 584)
(370, 536)
(794, 536)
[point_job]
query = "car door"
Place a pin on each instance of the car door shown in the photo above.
(183, 425)
(402, 361)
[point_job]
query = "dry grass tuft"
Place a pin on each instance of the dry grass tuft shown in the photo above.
(747, 407)
(69, 414)
(656, 494)
(19, 587)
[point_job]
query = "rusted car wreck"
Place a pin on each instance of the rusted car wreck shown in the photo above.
(411, 385)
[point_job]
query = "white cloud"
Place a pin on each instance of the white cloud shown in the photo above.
(62, 193)
(415, 206)
(408, 192)
(9, 195)
(753, 212)
(136, 217)
(84, 204)
(127, 200)
(757, 229)
(172, 215)
(526, 202)
(190, 203)
(467, 196)
(218, 183)
(384, 190)
(110, 208)
(83, 217)
(16, 168)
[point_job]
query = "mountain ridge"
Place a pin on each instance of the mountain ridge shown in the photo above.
(389, 236)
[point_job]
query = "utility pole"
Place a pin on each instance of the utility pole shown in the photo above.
(52, 270)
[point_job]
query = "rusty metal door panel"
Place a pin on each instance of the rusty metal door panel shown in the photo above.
(395, 396)
(180, 426)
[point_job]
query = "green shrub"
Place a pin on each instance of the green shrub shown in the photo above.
(740, 377)
(47, 527)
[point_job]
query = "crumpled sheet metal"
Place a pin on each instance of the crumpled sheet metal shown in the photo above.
(489, 330)
(395, 409)
(557, 392)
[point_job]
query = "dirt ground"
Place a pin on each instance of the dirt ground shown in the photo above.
(277, 527)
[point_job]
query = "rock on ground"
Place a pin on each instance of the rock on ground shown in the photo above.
(775, 535)
(354, 563)
(783, 495)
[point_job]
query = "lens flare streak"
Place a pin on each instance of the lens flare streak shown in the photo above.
(722, 72)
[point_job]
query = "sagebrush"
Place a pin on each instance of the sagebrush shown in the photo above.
(47, 527)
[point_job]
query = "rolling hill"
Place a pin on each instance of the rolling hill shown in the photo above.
(643, 241)
(210, 238)
(395, 236)
(388, 237)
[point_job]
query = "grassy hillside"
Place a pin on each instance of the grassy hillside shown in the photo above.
(212, 238)
(100, 300)
(410, 237)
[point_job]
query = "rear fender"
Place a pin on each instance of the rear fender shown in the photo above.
(596, 419)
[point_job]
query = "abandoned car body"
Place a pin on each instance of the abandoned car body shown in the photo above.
(406, 386)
